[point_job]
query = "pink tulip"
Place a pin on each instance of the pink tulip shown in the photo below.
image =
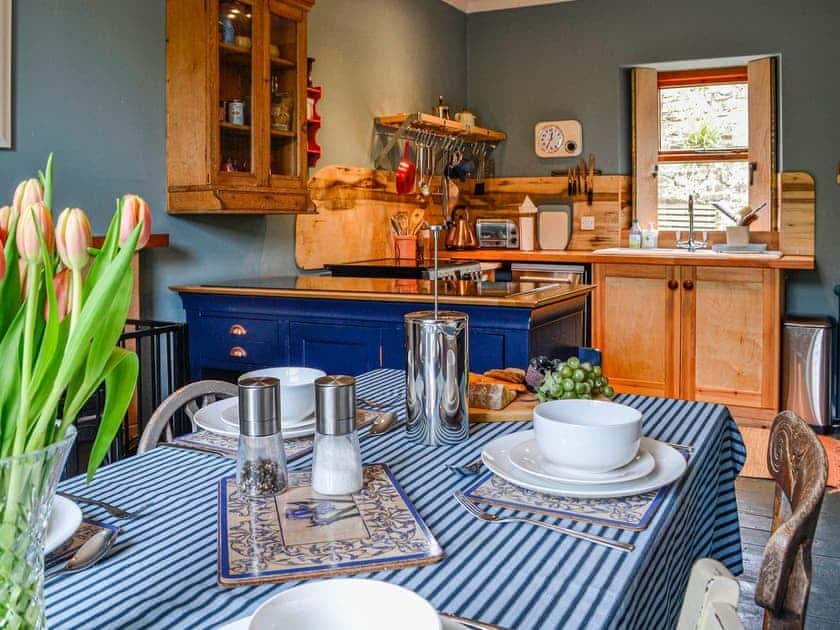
(72, 238)
(28, 193)
(28, 243)
(134, 210)
(7, 219)
(22, 273)
(63, 293)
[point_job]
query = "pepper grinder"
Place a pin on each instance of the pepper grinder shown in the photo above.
(337, 459)
(261, 459)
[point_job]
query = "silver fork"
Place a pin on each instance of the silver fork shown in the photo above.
(476, 511)
(113, 510)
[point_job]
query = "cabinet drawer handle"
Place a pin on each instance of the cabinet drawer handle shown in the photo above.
(673, 285)
(688, 285)
(238, 330)
(238, 352)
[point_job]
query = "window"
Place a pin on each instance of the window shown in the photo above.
(706, 133)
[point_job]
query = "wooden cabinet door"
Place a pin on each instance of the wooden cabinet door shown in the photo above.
(730, 336)
(636, 323)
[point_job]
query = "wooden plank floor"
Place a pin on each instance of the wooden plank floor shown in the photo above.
(755, 509)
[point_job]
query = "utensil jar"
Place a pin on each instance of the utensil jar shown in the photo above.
(437, 366)
(261, 459)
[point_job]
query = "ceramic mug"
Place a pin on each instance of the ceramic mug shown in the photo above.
(405, 247)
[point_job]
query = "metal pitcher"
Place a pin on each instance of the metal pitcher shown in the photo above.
(437, 370)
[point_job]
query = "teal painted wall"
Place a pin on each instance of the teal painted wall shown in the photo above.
(564, 60)
(90, 86)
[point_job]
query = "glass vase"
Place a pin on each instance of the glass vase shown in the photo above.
(27, 487)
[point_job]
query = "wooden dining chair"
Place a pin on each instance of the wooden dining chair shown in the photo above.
(711, 598)
(797, 461)
(188, 399)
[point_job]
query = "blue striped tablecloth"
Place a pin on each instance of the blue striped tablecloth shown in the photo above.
(515, 575)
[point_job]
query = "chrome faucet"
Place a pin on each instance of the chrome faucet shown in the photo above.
(692, 244)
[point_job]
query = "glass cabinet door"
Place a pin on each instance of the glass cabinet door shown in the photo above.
(283, 94)
(236, 86)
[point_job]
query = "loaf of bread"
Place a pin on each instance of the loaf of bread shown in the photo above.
(490, 380)
(490, 395)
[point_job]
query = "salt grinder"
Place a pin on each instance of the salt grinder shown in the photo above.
(437, 367)
(337, 459)
(261, 460)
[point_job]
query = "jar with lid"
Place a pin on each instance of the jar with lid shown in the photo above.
(261, 459)
(337, 459)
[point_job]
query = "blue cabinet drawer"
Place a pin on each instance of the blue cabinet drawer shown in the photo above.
(229, 341)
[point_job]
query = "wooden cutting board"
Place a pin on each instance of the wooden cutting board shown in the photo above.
(522, 408)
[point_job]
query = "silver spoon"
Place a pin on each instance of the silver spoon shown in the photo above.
(383, 423)
(467, 469)
(91, 552)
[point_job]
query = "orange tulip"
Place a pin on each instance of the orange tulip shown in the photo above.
(28, 193)
(28, 243)
(63, 294)
(7, 219)
(134, 210)
(72, 238)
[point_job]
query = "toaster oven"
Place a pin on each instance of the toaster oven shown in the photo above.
(497, 233)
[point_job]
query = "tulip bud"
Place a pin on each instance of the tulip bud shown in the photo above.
(134, 210)
(28, 243)
(28, 193)
(7, 219)
(63, 289)
(72, 238)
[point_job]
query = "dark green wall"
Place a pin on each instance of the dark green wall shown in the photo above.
(90, 86)
(563, 61)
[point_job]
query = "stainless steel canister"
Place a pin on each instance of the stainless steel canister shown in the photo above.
(437, 370)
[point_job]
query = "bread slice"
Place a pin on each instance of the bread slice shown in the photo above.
(481, 378)
(511, 375)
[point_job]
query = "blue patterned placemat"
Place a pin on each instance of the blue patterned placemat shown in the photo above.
(632, 513)
(300, 534)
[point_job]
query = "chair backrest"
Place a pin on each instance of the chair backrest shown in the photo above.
(186, 398)
(797, 461)
(711, 598)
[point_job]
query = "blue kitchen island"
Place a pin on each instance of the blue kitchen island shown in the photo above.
(352, 325)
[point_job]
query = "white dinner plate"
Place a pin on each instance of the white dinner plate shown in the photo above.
(210, 419)
(230, 415)
(527, 457)
(242, 624)
(64, 520)
(669, 466)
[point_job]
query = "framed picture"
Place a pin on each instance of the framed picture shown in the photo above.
(5, 74)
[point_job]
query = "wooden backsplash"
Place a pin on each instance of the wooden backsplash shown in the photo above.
(354, 206)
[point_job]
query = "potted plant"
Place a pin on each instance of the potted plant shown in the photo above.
(63, 306)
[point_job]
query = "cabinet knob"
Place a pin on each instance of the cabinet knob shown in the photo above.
(673, 285)
(238, 352)
(238, 330)
(688, 285)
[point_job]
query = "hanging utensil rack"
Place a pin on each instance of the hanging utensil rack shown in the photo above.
(439, 133)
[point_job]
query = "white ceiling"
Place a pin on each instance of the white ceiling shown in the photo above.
(477, 6)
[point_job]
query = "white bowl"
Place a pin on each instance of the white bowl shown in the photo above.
(590, 435)
(297, 390)
(346, 604)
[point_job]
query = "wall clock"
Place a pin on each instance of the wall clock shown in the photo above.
(558, 138)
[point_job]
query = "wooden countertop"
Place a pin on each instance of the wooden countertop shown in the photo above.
(699, 260)
(155, 240)
(388, 290)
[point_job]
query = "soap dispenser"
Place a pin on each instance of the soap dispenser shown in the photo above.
(650, 237)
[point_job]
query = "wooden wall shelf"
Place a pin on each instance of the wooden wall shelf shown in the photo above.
(442, 126)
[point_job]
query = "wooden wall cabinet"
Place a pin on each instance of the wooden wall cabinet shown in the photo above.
(700, 333)
(253, 52)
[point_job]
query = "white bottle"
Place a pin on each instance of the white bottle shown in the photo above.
(650, 237)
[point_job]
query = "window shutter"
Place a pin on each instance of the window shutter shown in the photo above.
(761, 76)
(645, 144)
